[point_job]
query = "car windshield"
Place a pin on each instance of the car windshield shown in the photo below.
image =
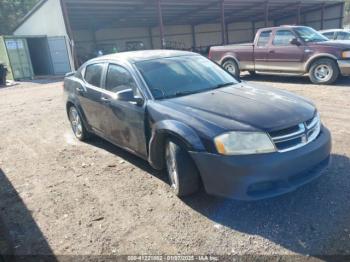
(183, 75)
(310, 35)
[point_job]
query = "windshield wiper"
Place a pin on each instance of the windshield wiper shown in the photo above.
(223, 85)
(183, 93)
(188, 92)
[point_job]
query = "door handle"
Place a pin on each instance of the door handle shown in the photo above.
(272, 51)
(105, 100)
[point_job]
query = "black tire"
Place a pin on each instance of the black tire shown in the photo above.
(186, 180)
(324, 71)
(231, 66)
(74, 116)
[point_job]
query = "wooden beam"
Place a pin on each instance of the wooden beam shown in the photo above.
(69, 33)
(223, 23)
(342, 6)
(253, 29)
(322, 16)
(266, 13)
(161, 25)
(150, 37)
(298, 16)
(193, 32)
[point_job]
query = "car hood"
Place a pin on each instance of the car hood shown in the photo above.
(334, 43)
(259, 107)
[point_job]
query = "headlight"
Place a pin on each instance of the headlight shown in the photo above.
(244, 143)
(345, 54)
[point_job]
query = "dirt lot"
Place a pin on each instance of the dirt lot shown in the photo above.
(60, 196)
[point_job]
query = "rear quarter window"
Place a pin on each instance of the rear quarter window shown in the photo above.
(93, 74)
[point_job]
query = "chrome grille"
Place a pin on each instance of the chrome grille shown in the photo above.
(296, 136)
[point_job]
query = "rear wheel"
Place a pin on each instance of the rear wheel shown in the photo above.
(183, 174)
(324, 71)
(77, 124)
(231, 66)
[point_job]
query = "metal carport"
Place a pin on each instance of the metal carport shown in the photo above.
(85, 19)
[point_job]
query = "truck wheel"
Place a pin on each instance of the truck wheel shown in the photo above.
(77, 124)
(231, 66)
(183, 174)
(324, 71)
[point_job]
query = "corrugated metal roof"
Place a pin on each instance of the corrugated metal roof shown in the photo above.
(85, 14)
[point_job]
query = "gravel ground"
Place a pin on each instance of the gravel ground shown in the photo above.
(64, 197)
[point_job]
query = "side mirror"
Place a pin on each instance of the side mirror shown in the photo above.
(295, 41)
(69, 74)
(128, 96)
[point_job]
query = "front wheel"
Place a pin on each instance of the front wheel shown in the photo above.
(324, 71)
(183, 174)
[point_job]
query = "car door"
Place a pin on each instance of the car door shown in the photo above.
(261, 50)
(124, 120)
(283, 55)
(90, 96)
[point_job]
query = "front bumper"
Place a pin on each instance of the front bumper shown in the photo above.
(252, 177)
(344, 67)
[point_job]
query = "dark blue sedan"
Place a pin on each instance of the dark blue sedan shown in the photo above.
(181, 111)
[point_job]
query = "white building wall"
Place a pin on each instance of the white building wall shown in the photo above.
(46, 21)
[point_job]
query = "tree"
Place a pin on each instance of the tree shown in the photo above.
(11, 13)
(347, 7)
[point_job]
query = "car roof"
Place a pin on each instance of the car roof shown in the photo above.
(143, 55)
(280, 27)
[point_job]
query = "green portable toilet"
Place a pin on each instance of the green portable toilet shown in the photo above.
(14, 52)
(5, 59)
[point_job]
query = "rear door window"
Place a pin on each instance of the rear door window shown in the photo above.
(264, 38)
(93, 74)
(283, 38)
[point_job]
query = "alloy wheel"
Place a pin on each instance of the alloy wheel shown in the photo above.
(323, 72)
